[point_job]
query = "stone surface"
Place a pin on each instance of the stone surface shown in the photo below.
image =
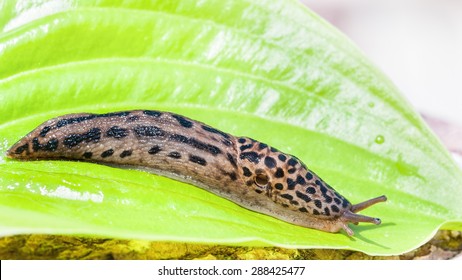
(445, 245)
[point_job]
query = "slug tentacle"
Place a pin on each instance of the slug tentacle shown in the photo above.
(247, 172)
(368, 203)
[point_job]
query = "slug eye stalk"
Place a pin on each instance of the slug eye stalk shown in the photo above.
(350, 216)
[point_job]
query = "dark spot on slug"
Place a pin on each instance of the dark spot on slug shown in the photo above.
(65, 122)
(282, 157)
(87, 155)
(334, 208)
(50, 146)
(326, 211)
(270, 162)
(309, 175)
(241, 140)
(250, 156)
(249, 183)
(279, 186)
(317, 182)
(174, 155)
(183, 121)
(73, 140)
(262, 146)
(291, 184)
(294, 202)
(246, 171)
(311, 190)
(21, 149)
(44, 131)
(318, 203)
(36, 144)
(279, 173)
(337, 194)
(287, 196)
(323, 189)
(133, 118)
(227, 142)
(302, 209)
(107, 153)
(117, 132)
(292, 162)
(216, 131)
(245, 147)
(292, 170)
(198, 160)
(300, 180)
(115, 114)
(152, 113)
(233, 176)
(337, 201)
(316, 212)
(154, 150)
(179, 138)
(126, 153)
(231, 159)
(80, 119)
(274, 150)
(148, 131)
(258, 191)
(327, 198)
(345, 203)
(214, 150)
(302, 196)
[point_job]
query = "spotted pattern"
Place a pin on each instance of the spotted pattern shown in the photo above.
(49, 146)
(290, 183)
(92, 135)
(87, 155)
(23, 148)
(174, 154)
(181, 145)
(197, 159)
(148, 131)
(126, 153)
(196, 143)
(154, 149)
(152, 113)
(117, 132)
(107, 153)
(75, 120)
(44, 131)
(183, 121)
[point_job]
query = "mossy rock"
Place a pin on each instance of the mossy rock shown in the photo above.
(445, 245)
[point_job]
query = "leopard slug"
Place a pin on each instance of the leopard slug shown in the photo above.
(247, 172)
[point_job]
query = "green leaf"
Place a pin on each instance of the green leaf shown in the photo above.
(271, 70)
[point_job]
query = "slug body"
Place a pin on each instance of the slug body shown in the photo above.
(247, 172)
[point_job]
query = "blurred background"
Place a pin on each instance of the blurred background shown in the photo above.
(418, 45)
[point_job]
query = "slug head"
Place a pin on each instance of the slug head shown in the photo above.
(289, 183)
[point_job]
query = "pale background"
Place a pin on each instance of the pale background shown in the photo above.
(417, 43)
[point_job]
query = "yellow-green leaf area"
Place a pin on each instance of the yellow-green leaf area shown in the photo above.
(270, 70)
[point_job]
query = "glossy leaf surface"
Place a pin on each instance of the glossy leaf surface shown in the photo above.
(271, 70)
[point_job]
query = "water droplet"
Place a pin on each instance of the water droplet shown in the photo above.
(379, 139)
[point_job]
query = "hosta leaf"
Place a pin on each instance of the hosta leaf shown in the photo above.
(271, 70)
